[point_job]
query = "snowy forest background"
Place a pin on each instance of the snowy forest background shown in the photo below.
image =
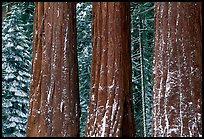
(17, 28)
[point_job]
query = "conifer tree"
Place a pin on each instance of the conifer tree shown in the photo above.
(16, 63)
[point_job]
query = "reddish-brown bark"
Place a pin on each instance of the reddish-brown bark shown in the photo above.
(110, 110)
(177, 72)
(54, 98)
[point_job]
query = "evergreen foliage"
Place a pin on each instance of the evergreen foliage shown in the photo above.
(84, 49)
(16, 64)
(142, 34)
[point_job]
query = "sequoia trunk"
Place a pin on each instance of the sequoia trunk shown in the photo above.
(177, 72)
(110, 110)
(54, 98)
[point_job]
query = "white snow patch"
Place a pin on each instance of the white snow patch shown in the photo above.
(49, 24)
(100, 88)
(38, 111)
(61, 105)
(65, 40)
(180, 112)
(95, 118)
(173, 130)
(19, 47)
(112, 85)
(172, 108)
(10, 30)
(92, 97)
(100, 107)
(103, 125)
(114, 107)
(49, 94)
(19, 93)
(58, 13)
(13, 124)
(94, 86)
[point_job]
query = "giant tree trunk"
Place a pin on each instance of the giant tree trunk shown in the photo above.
(177, 72)
(54, 99)
(110, 110)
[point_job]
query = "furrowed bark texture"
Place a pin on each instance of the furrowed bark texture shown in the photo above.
(177, 72)
(110, 110)
(54, 99)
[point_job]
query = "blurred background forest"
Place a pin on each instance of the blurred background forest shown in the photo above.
(17, 30)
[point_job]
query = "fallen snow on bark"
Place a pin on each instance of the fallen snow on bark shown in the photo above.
(112, 85)
(94, 86)
(58, 10)
(113, 111)
(48, 96)
(49, 24)
(100, 88)
(61, 106)
(92, 97)
(65, 41)
(103, 125)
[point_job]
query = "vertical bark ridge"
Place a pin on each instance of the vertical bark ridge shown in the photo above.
(127, 126)
(54, 70)
(155, 71)
(196, 66)
(44, 79)
(100, 88)
(46, 69)
(158, 71)
(111, 81)
(166, 55)
(180, 66)
(173, 111)
(117, 130)
(35, 80)
(162, 108)
(52, 81)
(63, 71)
(186, 52)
